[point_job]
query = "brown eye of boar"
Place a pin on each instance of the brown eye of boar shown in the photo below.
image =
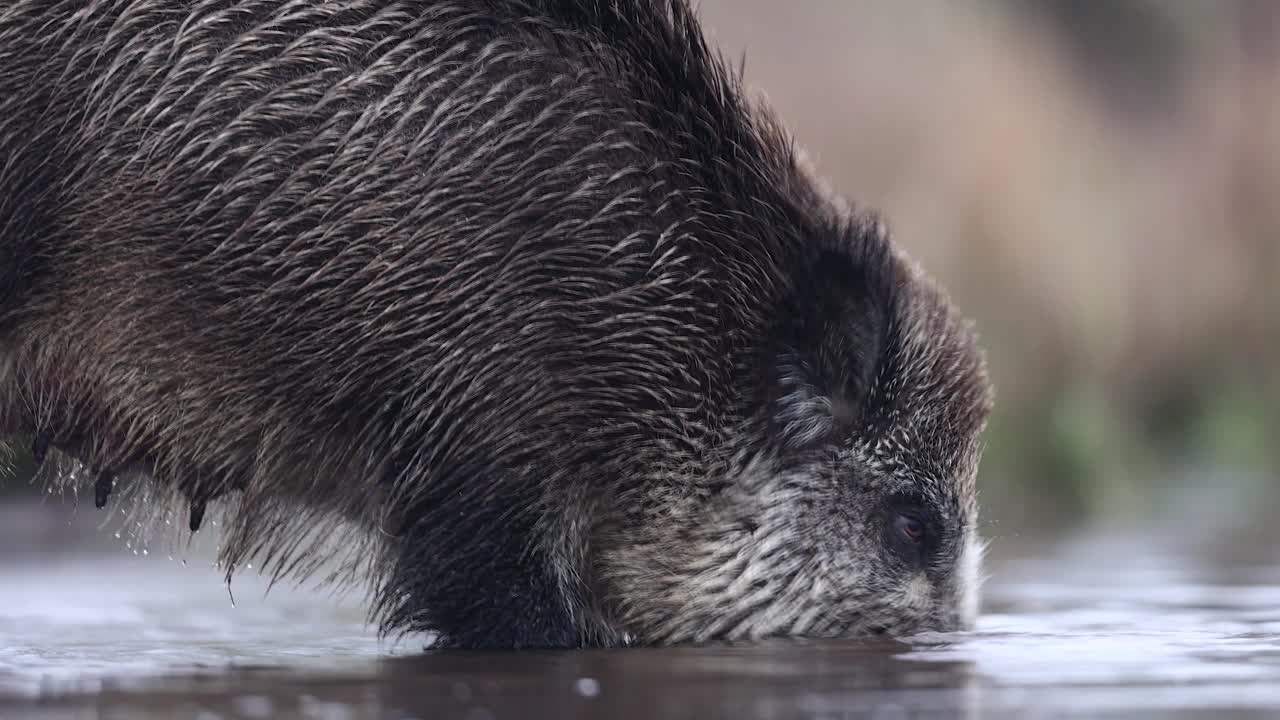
(910, 528)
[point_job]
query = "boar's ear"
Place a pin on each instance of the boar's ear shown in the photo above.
(834, 333)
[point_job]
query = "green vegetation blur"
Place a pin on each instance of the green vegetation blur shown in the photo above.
(1098, 186)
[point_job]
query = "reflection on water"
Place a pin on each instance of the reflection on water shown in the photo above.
(1113, 625)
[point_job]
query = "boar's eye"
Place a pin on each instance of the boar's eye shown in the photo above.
(908, 530)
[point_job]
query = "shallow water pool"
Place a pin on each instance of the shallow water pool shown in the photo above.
(1110, 625)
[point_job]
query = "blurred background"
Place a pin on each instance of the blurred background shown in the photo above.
(1098, 186)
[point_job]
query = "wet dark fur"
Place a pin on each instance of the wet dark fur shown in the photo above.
(525, 299)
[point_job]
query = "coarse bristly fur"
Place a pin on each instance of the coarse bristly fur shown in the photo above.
(526, 298)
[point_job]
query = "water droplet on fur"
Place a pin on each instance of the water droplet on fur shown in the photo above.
(249, 565)
(184, 562)
(117, 534)
(144, 552)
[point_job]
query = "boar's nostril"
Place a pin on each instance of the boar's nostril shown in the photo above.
(102, 488)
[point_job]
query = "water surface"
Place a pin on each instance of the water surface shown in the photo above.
(1105, 625)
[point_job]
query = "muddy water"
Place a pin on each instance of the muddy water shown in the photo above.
(1115, 625)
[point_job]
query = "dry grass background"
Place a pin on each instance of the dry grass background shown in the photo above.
(1098, 184)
